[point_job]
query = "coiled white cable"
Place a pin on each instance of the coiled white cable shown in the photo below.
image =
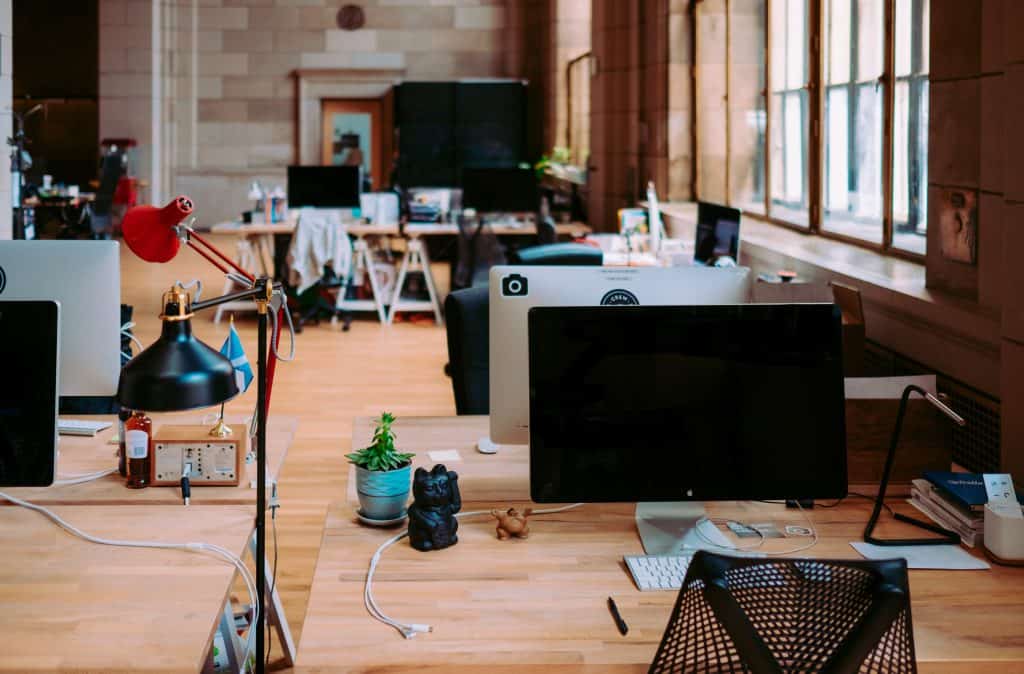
(208, 548)
(410, 630)
(80, 478)
(773, 553)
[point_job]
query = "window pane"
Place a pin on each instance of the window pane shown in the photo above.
(789, 118)
(837, 40)
(910, 127)
(746, 105)
(852, 203)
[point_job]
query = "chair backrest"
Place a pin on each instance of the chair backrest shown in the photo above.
(558, 254)
(547, 232)
(789, 615)
(111, 170)
(466, 320)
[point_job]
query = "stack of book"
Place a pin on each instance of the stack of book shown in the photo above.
(955, 501)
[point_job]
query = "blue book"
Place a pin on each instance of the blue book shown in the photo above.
(966, 490)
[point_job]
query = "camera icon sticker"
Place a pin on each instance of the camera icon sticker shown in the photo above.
(514, 285)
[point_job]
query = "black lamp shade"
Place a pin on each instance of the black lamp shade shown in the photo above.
(177, 372)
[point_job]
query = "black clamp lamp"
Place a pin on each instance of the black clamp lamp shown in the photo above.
(945, 536)
(179, 372)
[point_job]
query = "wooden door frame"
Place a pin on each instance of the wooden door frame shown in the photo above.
(382, 122)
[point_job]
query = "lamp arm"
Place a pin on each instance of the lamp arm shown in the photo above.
(193, 237)
(947, 536)
(260, 291)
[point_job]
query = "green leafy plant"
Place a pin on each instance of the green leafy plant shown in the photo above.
(381, 455)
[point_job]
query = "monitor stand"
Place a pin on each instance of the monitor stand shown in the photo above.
(486, 446)
(670, 528)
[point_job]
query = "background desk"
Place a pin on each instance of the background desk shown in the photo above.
(539, 604)
(73, 606)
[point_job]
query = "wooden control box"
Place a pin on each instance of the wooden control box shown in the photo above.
(215, 461)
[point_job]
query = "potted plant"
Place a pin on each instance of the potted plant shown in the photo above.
(383, 474)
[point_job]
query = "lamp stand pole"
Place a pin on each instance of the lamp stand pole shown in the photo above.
(261, 486)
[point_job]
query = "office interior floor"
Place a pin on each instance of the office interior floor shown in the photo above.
(335, 377)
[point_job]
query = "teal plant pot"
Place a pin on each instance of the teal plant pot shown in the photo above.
(383, 494)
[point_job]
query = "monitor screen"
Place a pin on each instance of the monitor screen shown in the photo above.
(323, 186)
(514, 290)
(500, 190)
(29, 337)
(718, 233)
(686, 403)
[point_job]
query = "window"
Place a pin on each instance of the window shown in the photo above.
(827, 115)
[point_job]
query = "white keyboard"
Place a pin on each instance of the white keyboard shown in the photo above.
(658, 572)
(81, 427)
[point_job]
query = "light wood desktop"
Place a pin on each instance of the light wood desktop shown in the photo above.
(71, 606)
(144, 513)
(540, 604)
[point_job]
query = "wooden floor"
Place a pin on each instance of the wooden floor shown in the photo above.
(335, 377)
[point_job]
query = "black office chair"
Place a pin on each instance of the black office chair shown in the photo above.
(790, 615)
(466, 320)
(563, 254)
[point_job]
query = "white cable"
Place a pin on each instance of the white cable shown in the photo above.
(208, 548)
(773, 553)
(274, 332)
(126, 332)
(80, 478)
(410, 630)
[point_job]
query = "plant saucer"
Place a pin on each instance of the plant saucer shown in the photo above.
(380, 523)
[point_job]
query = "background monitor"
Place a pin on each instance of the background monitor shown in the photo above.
(686, 403)
(718, 233)
(85, 278)
(515, 290)
(500, 190)
(323, 186)
(30, 344)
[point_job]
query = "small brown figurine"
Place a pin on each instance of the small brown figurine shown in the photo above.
(511, 523)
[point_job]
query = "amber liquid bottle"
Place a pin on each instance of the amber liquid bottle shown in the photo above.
(138, 449)
(122, 463)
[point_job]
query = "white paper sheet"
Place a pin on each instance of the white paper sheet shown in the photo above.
(445, 455)
(886, 388)
(950, 557)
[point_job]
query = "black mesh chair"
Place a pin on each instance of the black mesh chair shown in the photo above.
(466, 320)
(789, 615)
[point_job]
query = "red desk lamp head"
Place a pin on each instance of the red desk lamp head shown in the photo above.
(149, 231)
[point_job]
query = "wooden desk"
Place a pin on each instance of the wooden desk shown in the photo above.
(80, 455)
(539, 604)
(74, 606)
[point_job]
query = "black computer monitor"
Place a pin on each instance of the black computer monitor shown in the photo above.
(323, 186)
(718, 233)
(29, 338)
(500, 190)
(690, 403)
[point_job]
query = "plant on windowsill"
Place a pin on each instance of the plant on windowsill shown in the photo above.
(383, 474)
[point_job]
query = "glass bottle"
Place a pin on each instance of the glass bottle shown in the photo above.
(123, 416)
(138, 449)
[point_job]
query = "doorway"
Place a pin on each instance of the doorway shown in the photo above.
(357, 132)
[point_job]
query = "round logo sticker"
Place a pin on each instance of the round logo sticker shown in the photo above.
(619, 298)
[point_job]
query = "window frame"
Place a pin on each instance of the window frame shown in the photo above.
(815, 151)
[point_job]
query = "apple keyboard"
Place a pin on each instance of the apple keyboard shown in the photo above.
(81, 427)
(657, 572)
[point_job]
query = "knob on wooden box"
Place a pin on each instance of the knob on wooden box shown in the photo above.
(213, 460)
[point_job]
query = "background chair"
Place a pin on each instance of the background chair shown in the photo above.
(566, 254)
(468, 349)
(789, 615)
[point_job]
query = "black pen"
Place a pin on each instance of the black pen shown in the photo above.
(619, 622)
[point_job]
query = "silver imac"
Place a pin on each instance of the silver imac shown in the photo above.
(515, 290)
(85, 278)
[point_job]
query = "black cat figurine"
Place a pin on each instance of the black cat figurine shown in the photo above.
(436, 499)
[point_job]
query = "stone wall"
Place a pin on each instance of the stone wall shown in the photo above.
(227, 91)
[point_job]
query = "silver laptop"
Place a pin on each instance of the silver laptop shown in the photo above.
(514, 290)
(85, 278)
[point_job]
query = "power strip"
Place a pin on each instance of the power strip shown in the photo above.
(212, 461)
